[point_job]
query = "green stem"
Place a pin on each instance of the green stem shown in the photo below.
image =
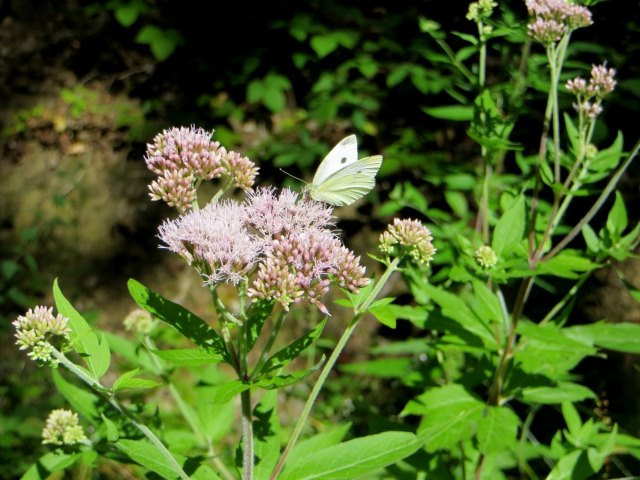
(359, 311)
(102, 391)
(596, 206)
(247, 435)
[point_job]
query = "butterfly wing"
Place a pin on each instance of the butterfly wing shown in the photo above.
(349, 183)
(343, 154)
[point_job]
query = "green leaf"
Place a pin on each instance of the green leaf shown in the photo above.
(458, 202)
(456, 113)
(566, 264)
(216, 419)
(204, 472)
(259, 311)
(266, 430)
(384, 312)
(225, 392)
(127, 13)
(621, 337)
(591, 239)
(148, 455)
(324, 44)
(510, 228)
(450, 415)
(573, 466)
(354, 458)
(456, 309)
(617, 220)
(162, 42)
(571, 417)
(547, 350)
(128, 380)
(131, 351)
(95, 352)
(284, 380)
(564, 392)
(292, 351)
(189, 357)
(112, 430)
(320, 440)
(497, 430)
(382, 368)
(186, 322)
(51, 462)
(82, 401)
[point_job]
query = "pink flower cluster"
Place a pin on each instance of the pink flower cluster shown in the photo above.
(552, 19)
(283, 242)
(183, 157)
(589, 95)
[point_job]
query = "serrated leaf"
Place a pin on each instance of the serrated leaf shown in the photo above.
(224, 393)
(456, 309)
(148, 455)
(567, 264)
(129, 380)
(354, 458)
(323, 439)
(186, 322)
(292, 351)
(497, 430)
(510, 228)
(450, 415)
(563, 392)
(258, 313)
(189, 357)
(93, 350)
(621, 337)
(286, 379)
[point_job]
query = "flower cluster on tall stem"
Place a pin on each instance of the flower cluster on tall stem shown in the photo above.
(552, 19)
(184, 157)
(287, 241)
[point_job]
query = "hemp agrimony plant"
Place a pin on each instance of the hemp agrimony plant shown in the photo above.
(279, 252)
(490, 377)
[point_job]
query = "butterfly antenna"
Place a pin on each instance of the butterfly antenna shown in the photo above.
(292, 176)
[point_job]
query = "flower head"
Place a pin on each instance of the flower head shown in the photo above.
(486, 257)
(302, 265)
(274, 215)
(139, 321)
(480, 10)
(551, 19)
(36, 329)
(215, 240)
(408, 238)
(184, 157)
(589, 95)
(63, 428)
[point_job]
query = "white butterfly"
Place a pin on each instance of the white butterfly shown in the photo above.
(341, 178)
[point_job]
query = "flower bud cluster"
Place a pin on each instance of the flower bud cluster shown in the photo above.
(183, 157)
(589, 95)
(35, 331)
(63, 428)
(139, 321)
(410, 239)
(481, 10)
(552, 19)
(486, 257)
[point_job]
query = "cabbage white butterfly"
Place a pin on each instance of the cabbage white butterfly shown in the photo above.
(341, 178)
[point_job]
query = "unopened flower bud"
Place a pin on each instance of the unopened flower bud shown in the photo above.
(486, 257)
(63, 428)
(408, 238)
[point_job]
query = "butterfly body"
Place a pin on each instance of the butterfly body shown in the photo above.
(341, 178)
